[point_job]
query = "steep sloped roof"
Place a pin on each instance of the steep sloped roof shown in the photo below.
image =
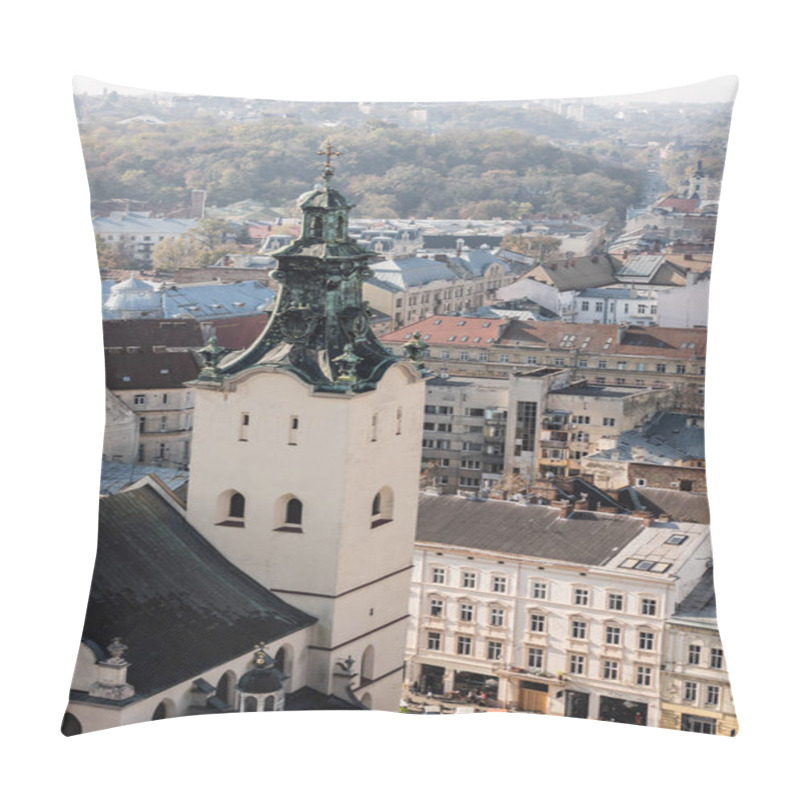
(173, 599)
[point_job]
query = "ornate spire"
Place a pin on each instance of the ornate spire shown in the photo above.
(320, 327)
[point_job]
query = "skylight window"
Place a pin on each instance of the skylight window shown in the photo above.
(644, 565)
(465, 338)
(462, 322)
(677, 538)
(437, 322)
(486, 324)
(476, 339)
(451, 338)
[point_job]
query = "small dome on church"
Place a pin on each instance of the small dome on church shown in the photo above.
(263, 678)
(323, 198)
(133, 295)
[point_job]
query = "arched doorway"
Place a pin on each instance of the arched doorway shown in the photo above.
(164, 710)
(225, 688)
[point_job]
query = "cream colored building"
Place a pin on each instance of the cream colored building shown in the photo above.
(545, 610)
(306, 454)
(413, 288)
(695, 686)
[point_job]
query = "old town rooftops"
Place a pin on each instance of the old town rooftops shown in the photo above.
(555, 335)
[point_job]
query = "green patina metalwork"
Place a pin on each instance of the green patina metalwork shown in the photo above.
(320, 328)
(416, 350)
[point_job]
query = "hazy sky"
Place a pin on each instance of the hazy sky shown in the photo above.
(717, 90)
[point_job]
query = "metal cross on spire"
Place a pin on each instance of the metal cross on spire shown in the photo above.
(328, 170)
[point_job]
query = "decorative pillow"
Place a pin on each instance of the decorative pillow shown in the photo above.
(404, 408)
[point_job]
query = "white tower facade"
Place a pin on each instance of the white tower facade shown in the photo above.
(305, 461)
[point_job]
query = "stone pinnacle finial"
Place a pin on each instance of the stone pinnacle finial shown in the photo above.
(328, 170)
(116, 650)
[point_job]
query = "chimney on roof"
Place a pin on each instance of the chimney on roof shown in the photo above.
(582, 503)
(621, 328)
(564, 508)
(689, 257)
(647, 517)
(607, 510)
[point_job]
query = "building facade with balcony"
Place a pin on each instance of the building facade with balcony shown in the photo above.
(534, 424)
(544, 609)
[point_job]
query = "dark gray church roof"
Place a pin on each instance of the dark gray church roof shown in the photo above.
(506, 527)
(174, 600)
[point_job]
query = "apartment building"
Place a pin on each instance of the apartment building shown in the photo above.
(150, 382)
(695, 686)
(533, 424)
(412, 288)
(613, 355)
(547, 609)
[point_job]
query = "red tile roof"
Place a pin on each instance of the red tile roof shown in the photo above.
(586, 337)
(457, 331)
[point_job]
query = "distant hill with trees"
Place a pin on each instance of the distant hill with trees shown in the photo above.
(389, 171)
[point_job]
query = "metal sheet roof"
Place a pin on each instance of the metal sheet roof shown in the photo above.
(512, 528)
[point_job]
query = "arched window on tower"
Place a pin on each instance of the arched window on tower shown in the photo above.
(236, 506)
(250, 704)
(382, 507)
(230, 509)
(340, 228)
(316, 227)
(289, 514)
(294, 512)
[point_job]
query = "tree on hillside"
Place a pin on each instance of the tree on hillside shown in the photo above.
(181, 252)
(202, 245)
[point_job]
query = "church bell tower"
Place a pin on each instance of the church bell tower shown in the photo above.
(306, 453)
